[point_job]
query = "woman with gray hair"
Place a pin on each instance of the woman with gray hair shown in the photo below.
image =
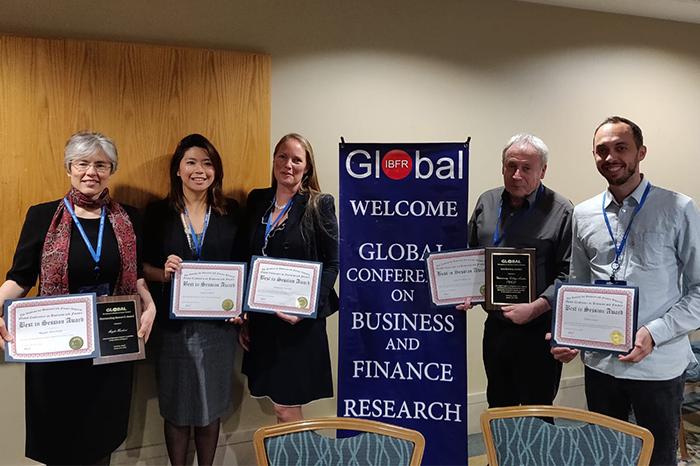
(78, 413)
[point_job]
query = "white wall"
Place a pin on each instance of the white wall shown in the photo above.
(416, 70)
(490, 72)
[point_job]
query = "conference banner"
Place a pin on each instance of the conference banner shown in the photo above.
(402, 360)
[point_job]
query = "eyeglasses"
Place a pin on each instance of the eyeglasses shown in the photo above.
(100, 167)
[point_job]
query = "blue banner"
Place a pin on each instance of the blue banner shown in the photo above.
(402, 360)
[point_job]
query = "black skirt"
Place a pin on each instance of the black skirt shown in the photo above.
(290, 364)
(76, 413)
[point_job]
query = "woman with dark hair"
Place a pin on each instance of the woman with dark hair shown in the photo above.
(287, 358)
(77, 412)
(194, 362)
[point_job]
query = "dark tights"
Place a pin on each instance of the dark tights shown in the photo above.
(177, 439)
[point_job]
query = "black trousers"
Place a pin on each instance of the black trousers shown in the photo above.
(656, 405)
(519, 366)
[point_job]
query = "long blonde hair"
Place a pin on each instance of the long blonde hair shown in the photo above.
(309, 184)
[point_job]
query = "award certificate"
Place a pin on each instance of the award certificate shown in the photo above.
(51, 328)
(510, 277)
(456, 275)
(207, 290)
(595, 317)
(118, 323)
(284, 285)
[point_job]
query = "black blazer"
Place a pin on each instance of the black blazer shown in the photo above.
(164, 235)
(319, 243)
(27, 259)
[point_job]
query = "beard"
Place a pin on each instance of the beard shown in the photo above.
(617, 179)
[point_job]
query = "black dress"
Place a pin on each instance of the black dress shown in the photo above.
(194, 358)
(291, 364)
(76, 413)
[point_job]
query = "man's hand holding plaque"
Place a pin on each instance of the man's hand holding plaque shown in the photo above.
(510, 277)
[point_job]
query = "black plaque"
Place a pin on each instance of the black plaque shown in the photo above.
(510, 277)
(118, 321)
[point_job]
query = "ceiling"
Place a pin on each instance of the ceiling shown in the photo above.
(687, 11)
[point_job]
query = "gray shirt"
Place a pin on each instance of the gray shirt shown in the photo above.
(543, 223)
(661, 257)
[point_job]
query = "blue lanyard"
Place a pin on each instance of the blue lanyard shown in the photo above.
(95, 254)
(618, 249)
(497, 236)
(197, 241)
(269, 225)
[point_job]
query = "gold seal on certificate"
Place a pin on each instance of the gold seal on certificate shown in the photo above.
(51, 328)
(616, 337)
(595, 317)
(76, 343)
(283, 285)
(227, 304)
(510, 277)
(118, 323)
(207, 290)
(456, 275)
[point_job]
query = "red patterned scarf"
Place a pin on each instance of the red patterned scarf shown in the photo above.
(54, 256)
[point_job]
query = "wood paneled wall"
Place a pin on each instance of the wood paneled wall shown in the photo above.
(145, 97)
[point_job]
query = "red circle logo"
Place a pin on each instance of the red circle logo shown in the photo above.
(397, 164)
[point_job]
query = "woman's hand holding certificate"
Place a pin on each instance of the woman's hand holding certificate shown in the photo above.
(207, 290)
(283, 285)
(51, 328)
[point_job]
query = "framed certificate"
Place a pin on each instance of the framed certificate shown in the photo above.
(283, 285)
(51, 328)
(207, 290)
(510, 277)
(456, 275)
(595, 317)
(118, 323)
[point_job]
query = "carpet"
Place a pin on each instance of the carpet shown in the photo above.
(691, 423)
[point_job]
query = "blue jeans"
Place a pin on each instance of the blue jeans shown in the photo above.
(656, 405)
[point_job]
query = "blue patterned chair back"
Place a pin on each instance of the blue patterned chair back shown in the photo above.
(309, 449)
(376, 444)
(517, 437)
(530, 441)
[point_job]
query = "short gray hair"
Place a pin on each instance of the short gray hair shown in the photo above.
(86, 143)
(525, 139)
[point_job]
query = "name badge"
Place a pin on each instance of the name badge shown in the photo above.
(611, 282)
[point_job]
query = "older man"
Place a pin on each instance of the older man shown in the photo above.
(649, 237)
(523, 214)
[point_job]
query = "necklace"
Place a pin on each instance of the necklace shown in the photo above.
(195, 241)
(280, 207)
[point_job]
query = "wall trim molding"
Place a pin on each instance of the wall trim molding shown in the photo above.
(149, 453)
(571, 393)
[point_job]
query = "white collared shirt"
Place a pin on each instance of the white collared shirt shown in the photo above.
(661, 257)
